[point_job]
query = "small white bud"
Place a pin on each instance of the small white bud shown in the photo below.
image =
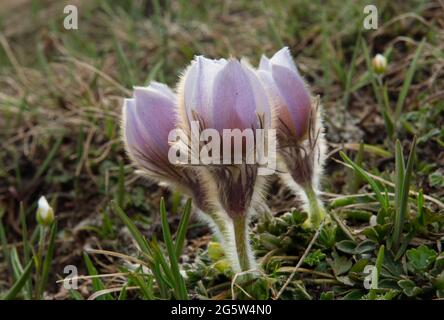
(373, 220)
(379, 63)
(45, 214)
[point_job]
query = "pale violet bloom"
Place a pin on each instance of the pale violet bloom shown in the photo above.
(148, 118)
(287, 90)
(224, 94)
(301, 140)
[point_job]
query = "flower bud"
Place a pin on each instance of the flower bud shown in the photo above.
(301, 139)
(45, 214)
(379, 63)
(215, 251)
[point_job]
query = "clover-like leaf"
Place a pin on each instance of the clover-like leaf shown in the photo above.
(409, 288)
(339, 264)
(346, 246)
(421, 258)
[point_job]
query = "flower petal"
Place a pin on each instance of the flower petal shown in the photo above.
(283, 58)
(164, 89)
(156, 117)
(198, 89)
(264, 64)
(234, 105)
(260, 96)
(296, 97)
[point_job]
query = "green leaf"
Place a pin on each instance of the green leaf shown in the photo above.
(180, 289)
(146, 286)
(121, 186)
(182, 230)
(143, 244)
(409, 288)
(365, 246)
(18, 285)
(408, 80)
(314, 258)
(381, 198)
(4, 242)
(96, 282)
(346, 246)
(339, 264)
(421, 258)
(48, 260)
(402, 190)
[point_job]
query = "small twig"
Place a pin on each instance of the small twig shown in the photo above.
(118, 255)
(110, 290)
(107, 275)
(343, 227)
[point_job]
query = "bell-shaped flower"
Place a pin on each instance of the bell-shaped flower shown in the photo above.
(224, 94)
(148, 119)
(300, 133)
(289, 94)
(228, 97)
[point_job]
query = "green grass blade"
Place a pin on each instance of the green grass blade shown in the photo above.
(123, 293)
(18, 285)
(26, 247)
(75, 295)
(366, 177)
(96, 282)
(167, 276)
(182, 230)
(4, 242)
(146, 287)
(49, 157)
(17, 268)
(48, 259)
(181, 292)
(121, 186)
(399, 179)
(140, 239)
(404, 196)
(408, 80)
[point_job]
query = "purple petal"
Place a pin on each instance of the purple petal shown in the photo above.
(260, 96)
(162, 88)
(264, 64)
(234, 103)
(135, 137)
(283, 58)
(296, 97)
(199, 86)
(156, 117)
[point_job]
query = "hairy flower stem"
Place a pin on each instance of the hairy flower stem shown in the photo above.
(241, 242)
(220, 226)
(315, 207)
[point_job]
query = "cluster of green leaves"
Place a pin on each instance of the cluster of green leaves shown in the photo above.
(380, 261)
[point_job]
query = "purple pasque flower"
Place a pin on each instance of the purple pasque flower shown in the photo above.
(301, 140)
(226, 95)
(148, 119)
(288, 92)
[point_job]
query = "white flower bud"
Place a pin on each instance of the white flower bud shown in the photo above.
(45, 214)
(379, 63)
